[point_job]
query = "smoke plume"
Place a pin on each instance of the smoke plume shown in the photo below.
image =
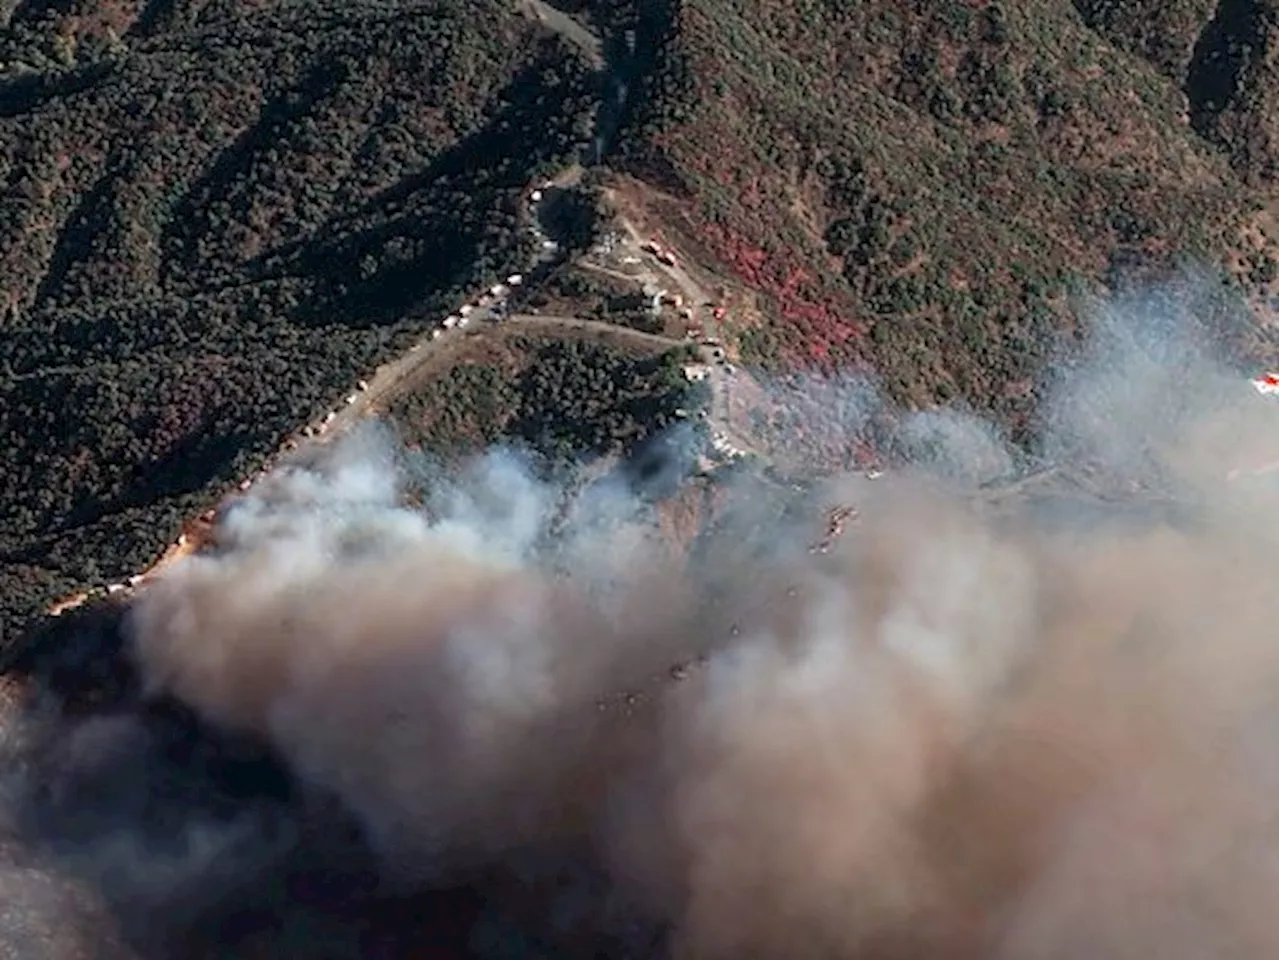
(964, 729)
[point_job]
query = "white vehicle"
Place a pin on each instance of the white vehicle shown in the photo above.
(515, 279)
(352, 398)
(1267, 383)
(362, 386)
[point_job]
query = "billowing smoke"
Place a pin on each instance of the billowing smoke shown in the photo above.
(963, 729)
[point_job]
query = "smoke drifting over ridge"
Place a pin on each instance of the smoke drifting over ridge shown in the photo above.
(956, 734)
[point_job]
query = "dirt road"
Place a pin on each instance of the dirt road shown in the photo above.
(481, 314)
(535, 320)
(400, 373)
(567, 27)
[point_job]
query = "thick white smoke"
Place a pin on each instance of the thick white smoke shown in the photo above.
(961, 732)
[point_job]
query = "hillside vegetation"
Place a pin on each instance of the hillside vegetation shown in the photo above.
(215, 215)
(920, 188)
(560, 399)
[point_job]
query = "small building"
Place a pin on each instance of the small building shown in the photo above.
(515, 279)
(694, 372)
(451, 322)
(466, 309)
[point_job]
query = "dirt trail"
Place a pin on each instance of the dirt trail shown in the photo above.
(384, 383)
(369, 394)
(598, 326)
(481, 311)
(567, 27)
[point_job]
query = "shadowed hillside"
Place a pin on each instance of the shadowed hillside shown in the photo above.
(215, 216)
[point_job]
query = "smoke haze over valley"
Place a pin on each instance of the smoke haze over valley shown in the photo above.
(617, 480)
(960, 731)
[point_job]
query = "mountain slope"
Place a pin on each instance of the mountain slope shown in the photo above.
(919, 187)
(216, 216)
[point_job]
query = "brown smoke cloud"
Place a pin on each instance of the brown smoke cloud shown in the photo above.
(962, 732)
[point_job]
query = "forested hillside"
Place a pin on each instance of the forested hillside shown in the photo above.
(215, 216)
(559, 398)
(919, 188)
